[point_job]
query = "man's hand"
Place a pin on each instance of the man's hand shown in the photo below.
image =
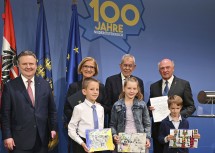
(9, 143)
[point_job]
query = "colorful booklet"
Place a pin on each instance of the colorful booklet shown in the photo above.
(134, 142)
(99, 139)
(184, 138)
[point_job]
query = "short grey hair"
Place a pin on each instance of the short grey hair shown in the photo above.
(127, 56)
(173, 64)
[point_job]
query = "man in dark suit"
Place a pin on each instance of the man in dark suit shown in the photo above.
(28, 110)
(176, 86)
(114, 84)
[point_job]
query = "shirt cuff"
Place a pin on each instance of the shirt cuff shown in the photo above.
(165, 139)
(79, 140)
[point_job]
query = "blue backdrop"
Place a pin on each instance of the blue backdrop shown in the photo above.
(181, 30)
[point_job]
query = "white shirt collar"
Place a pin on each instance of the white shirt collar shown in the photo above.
(169, 80)
(171, 119)
(89, 103)
(122, 76)
(26, 80)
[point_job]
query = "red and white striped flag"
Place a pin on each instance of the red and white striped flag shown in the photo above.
(8, 63)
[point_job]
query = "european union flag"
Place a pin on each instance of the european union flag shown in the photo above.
(74, 49)
(44, 68)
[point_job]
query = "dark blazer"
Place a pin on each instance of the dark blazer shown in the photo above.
(113, 88)
(75, 96)
(21, 120)
(164, 130)
(179, 87)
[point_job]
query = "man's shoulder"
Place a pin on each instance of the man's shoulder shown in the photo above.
(156, 83)
(14, 81)
(179, 79)
(41, 80)
(114, 76)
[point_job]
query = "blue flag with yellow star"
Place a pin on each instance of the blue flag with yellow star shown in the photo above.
(44, 68)
(74, 56)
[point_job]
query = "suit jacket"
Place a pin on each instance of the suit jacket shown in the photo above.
(21, 120)
(179, 87)
(75, 96)
(113, 88)
(164, 130)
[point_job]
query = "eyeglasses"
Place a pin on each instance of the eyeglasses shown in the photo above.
(87, 66)
(127, 65)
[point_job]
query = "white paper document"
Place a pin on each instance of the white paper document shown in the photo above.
(161, 108)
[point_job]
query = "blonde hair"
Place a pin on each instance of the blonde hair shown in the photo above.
(86, 82)
(139, 95)
(84, 61)
(175, 99)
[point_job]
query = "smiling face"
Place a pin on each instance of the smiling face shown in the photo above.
(166, 68)
(127, 66)
(91, 91)
(27, 66)
(88, 69)
(131, 90)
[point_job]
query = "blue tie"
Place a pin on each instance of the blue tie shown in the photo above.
(166, 89)
(95, 117)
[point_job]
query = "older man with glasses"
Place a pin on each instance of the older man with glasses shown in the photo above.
(114, 84)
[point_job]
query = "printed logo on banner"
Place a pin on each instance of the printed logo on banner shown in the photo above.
(113, 21)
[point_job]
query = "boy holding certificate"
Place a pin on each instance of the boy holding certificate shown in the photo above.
(87, 115)
(173, 121)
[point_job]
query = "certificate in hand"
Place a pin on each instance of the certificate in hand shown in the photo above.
(132, 142)
(99, 139)
(161, 108)
(184, 138)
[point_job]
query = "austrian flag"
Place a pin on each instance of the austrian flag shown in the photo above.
(9, 69)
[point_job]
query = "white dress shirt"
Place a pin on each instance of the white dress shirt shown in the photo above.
(82, 120)
(123, 79)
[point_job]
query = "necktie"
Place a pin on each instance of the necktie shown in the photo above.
(95, 117)
(30, 92)
(166, 89)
